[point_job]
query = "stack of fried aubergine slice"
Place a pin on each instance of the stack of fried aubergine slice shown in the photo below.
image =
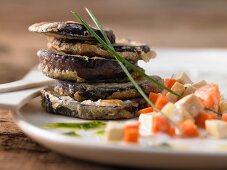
(90, 83)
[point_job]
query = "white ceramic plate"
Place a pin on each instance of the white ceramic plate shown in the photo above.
(180, 153)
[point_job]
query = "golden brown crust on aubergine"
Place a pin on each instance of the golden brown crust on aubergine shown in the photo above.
(68, 29)
(79, 68)
(88, 109)
(95, 91)
(132, 52)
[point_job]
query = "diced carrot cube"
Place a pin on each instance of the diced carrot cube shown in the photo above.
(161, 101)
(168, 82)
(209, 95)
(171, 131)
(131, 132)
(131, 135)
(162, 125)
(203, 116)
(145, 110)
(188, 129)
(224, 117)
(153, 97)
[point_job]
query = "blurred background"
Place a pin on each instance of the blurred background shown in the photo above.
(160, 23)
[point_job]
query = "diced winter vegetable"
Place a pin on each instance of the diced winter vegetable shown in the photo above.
(153, 97)
(178, 88)
(199, 84)
(162, 125)
(216, 128)
(114, 131)
(189, 90)
(161, 101)
(188, 129)
(209, 95)
(223, 106)
(131, 132)
(202, 117)
(145, 110)
(190, 104)
(146, 121)
(158, 99)
(224, 117)
(176, 115)
(168, 82)
(182, 78)
(169, 109)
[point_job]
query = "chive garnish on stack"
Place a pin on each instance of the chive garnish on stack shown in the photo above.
(107, 44)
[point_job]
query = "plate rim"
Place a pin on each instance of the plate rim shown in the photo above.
(51, 136)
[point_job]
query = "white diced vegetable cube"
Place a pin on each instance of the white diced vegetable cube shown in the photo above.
(175, 114)
(216, 128)
(178, 88)
(223, 106)
(168, 109)
(114, 131)
(146, 122)
(199, 84)
(190, 104)
(182, 78)
(189, 90)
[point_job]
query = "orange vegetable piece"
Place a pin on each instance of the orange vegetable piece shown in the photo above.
(202, 117)
(209, 95)
(224, 117)
(161, 101)
(153, 97)
(131, 136)
(131, 132)
(188, 129)
(171, 131)
(145, 110)
(162, 125)
(168, 82)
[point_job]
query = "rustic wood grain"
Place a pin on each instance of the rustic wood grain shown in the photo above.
(176, 23)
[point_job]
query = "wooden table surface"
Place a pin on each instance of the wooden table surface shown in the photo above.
(180, 23)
